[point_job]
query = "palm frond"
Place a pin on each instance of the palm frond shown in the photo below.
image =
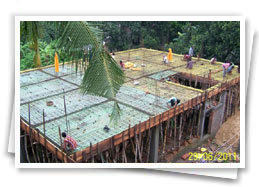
(103, 77)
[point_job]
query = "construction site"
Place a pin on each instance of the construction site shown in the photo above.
(149, 131)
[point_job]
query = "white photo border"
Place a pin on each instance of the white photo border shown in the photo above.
(241, 19)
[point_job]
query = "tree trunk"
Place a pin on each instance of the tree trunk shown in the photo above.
(37, 60)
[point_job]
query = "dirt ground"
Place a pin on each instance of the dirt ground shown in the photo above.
(229, 129)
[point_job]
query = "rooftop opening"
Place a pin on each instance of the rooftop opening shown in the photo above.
(190, 80)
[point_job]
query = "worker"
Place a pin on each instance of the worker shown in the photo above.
(173, 101)
(230, 68)
(106, 128)
(122, 65)
(189, 64)
(113, 55)
(186, 57)
(227, 68)
(69, 143)
(191, 52)
(89, 54)
(213, 60)
(165, 59)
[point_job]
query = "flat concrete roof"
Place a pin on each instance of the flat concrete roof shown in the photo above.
(142, 96)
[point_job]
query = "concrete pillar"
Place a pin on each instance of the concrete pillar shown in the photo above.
(153, 157)
(223, 97)
(202, 119)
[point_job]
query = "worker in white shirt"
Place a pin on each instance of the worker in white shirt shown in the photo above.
(213, 60)
(173, 101)
(165, 59)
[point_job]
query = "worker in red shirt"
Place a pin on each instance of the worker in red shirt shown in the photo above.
(69, 143)
(122, 65)
(186, 57)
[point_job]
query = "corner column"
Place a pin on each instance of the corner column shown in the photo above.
(154, 145)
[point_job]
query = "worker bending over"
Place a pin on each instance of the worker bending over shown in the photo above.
(213, 60)
(165, 59)
(227, 68)
(69, 143)
(173, 101)
(189, 64)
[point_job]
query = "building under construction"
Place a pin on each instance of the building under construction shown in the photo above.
(148, 129)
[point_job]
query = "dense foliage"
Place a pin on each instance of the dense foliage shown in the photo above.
(220, 39)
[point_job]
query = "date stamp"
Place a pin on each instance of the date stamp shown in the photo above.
(209, 156)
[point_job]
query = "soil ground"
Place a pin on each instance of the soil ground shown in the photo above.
(228, 130)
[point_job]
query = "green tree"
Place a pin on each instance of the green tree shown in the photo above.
(31, 31)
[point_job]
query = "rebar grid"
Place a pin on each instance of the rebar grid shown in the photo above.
(33, 77)
(45, 89)
(75, 101)
(166, 90)
(141, 100)
(86, 126)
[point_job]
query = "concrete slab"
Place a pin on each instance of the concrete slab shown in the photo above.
(63, 70)
(44, 89)
(148, 68)
(33, 77)
(163, 74)
(75, 101)
(87, 125)
(164, 90)
(142, 101)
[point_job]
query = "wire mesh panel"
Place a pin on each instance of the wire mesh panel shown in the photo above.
(75, 78)
(151, 52)
(158, 59)
(166, 90)
(200, 68)
(141, 68)
(32, 77)
(63, 70)
(141, 100)
(54, 106)
(87, 125)
(136, 54)
(45, 89)
(162, 75)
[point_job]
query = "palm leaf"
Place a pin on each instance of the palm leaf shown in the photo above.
(103, 77)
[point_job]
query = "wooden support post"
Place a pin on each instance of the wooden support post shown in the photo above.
(30, 134)
(45, 140)
(149, 140)
(161, 127)
(26, 147)
(175, 124)
(124, 156)
(180, 130)
(136, 149)
(163, 151)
